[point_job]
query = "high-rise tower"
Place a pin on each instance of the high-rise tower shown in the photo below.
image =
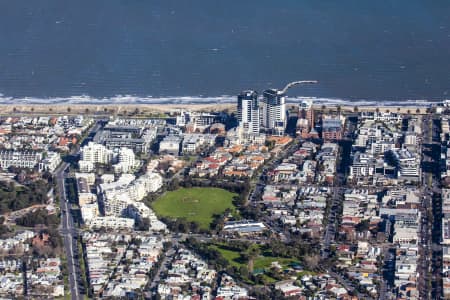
(248, 111)
(273, 111)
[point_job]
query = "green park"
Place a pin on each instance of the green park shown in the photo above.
(196, 204)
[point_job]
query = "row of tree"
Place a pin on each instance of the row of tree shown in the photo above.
(38, 217)
(14, 197)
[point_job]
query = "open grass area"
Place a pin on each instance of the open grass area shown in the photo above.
(265, 262)
(233, 257)
(194, 204)
(262, 262)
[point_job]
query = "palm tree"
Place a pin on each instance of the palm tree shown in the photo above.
(355, 108)
(69, 109)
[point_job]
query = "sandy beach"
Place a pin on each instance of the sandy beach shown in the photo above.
(149, 109)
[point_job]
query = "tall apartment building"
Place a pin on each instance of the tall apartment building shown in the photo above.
(248, 112)
(96, 153)
(305, 111)
(305, 122)
(273, 111)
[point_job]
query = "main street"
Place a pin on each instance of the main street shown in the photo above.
(337, 192)
(69, 233)
(68, 228)
(430, 248)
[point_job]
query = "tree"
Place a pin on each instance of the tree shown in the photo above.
(312, 261)
(86, 110)
(69, 109)
(243, 271)
(355, 108)
(362, 226)
(418, 111)
(174, 184)
(143, 224)
(3, 228)
(37, 217)
(252, 253)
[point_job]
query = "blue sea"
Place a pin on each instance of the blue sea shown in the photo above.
(143, 50)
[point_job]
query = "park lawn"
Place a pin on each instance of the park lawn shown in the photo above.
(261, 262)
(264, 262)
(268, 279)
(231, 256)
(194, 204)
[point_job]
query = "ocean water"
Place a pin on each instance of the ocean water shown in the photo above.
(181, 51)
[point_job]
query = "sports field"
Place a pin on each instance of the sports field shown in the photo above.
(194, 204)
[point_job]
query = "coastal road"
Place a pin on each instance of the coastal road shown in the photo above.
(69, 234)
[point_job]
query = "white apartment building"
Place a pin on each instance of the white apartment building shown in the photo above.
(86, 166)
(126, 161)
(363, 165)
(381, 116)
(112, 222)
(273, 111)
(19, 159)
(170, 144)
(50, 162)
(89, 177)
(89, 212)
(193, 141)
(248, 113)
(408, 163)
(117, 196)
(411, 138)
(96, 154)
